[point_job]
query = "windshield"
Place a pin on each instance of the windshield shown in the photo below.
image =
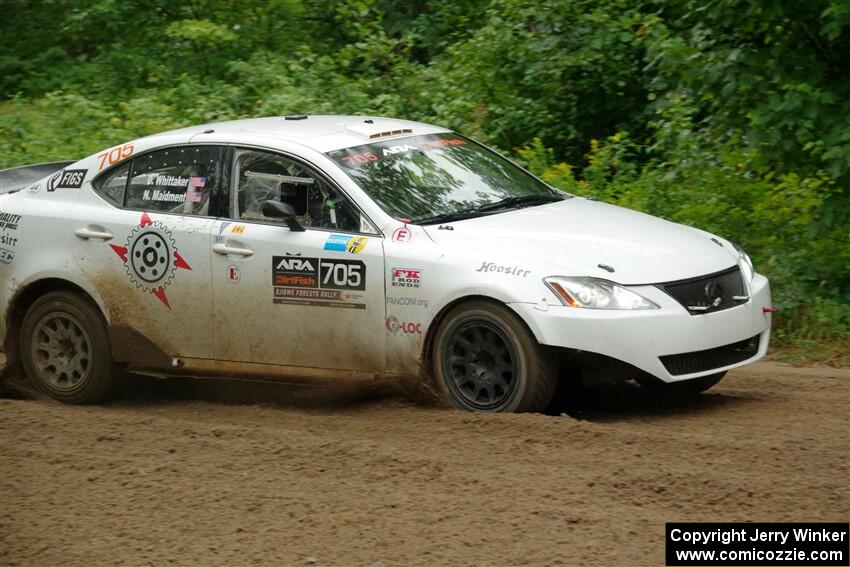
(424, 178)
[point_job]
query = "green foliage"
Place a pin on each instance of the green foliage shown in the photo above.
(728, 115)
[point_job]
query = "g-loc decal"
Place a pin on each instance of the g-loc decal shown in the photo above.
(318, 281)
(394, 326)
(151, 257)
(66, 179)
(345, 243)
(238, 229)
(406, 277)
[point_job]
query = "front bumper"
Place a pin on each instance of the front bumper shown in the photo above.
(640, 338)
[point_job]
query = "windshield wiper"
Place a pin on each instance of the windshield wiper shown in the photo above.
(520, 200)
(449, 217)
(489, 209)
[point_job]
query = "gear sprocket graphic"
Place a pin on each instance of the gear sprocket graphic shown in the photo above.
(150, 258)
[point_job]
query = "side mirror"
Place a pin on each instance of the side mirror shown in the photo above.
(284, 211)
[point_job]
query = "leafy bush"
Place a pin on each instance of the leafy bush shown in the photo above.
(732, 116)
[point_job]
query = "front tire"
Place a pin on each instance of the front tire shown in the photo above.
(486, 360)
(65, 349)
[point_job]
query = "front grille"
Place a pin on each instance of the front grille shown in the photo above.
(707, 294)
(718, 357)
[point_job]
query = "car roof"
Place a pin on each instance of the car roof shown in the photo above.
(323, 133)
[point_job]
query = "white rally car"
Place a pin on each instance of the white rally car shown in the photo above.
(350, 247)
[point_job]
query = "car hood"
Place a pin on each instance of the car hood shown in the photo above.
(574, 236)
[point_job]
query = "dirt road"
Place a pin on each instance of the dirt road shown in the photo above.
(194, 473)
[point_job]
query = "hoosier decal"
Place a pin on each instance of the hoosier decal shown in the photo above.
(298, 280)
(507, 270)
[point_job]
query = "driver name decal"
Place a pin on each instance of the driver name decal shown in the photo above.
(321, 282)
(151, 257)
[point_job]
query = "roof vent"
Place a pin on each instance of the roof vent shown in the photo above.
(374, 129)
(295, 117)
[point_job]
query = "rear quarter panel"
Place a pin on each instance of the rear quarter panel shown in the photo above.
(32, 229)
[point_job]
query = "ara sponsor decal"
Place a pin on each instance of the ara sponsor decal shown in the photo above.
(238, 229)
(402, 234)
(492, 267)
(406, 277)
(233, 273)
(394, 326)
(323, 282)
(66, 179)
(345, 243)
(404, 148)
(8, 221)
(366, 155)
(408, 301)
(6, 256)
(34, 188)
(151, 258)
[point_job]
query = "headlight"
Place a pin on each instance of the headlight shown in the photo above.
(593, 293)
(745, 263)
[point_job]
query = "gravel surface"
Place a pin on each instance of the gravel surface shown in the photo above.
(211, 473)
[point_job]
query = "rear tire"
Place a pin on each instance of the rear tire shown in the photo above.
(65, 349)
(486, 360)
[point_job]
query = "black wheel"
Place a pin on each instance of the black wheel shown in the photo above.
(685, 387)
(486, 360)
(65, 349)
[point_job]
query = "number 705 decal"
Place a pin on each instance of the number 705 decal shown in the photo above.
(113, 156)
(341, 274)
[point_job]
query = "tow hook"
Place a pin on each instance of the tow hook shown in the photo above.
(769, 309)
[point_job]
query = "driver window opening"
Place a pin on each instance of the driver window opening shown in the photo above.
(263, 176)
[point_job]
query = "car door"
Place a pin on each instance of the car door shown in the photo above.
(141, 237)
(311, 298)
